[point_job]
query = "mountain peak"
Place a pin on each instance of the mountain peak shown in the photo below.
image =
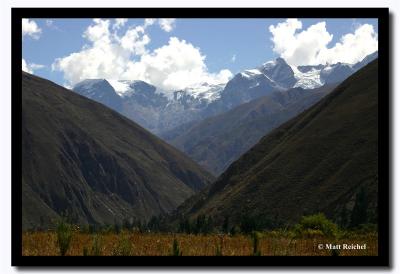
(280, 60)
(99, 90)
(91, 82)
(280, 72)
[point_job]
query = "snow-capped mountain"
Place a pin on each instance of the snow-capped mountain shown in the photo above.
(160, 110)
(280, 72)
(155, 109)
(100, 91)
(205, 91)
(307, 78)
(310, 77)
(367, 59)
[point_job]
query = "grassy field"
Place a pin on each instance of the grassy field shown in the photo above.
(160, 244)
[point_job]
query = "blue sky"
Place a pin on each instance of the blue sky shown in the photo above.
(227, 45)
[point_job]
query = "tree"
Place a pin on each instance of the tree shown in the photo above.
(344, 218)
(127, 224)
(248, 224)
(225, 225)
(185, 226)
(359, 214)
(154, 224)
(200, 224)
(209, 227)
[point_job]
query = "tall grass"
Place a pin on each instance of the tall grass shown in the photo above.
(96, 247)
(64, 236)
(165, 244)
(123, 246)
(175, 248)
(256, 241)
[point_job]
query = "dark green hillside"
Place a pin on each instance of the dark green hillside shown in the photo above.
(218, 141)
(323, 160)
(82, 158)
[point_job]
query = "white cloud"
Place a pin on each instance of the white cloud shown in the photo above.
(310, 46)
(25, 66)
(353, 47)
(233, 58)
(98, 33)
(30, 28)
(30, 67)
(102, 58)
(119, 22)
(109, 55)
(175, 66)
(34, 66)
(149, 21)
(135, 40)
(50, 23)
(167, 24)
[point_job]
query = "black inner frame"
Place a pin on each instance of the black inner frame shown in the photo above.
(382, 14)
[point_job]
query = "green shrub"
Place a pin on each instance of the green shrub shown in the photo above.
(218, 250)
(175, 248)
(96, 248)
(85, 251)
(311, 233)
(316, 224)
(234, 230)
(64, 236)
(123, 247)
(367, 228)
(256, 242)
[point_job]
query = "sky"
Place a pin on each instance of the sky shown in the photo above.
(178, 53)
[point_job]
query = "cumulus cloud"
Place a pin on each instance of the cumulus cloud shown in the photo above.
(310, 46)
(135, 40)
(25, 66)
(30, 67)
(109, 55)
(30, 28)
(119, 22)
(103, 57)
(175, 66)
(149, 21)
(50, 23)
(167, 24)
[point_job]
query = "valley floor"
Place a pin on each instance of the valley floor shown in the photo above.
(162, 244)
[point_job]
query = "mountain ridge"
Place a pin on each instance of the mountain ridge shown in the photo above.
(160, 111)
(318, 161)
(98, 166)
(217, 141)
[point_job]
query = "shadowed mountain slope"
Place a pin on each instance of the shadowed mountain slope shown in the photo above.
(320, 161)
(82, 158)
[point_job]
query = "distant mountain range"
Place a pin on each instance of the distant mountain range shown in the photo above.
(85, 160)
(323, 160)
(160, 111)
(217, 141)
